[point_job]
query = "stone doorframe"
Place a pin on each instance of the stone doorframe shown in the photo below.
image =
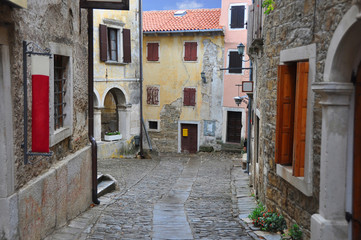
(180, 134)
(337, 99)
(8, 197)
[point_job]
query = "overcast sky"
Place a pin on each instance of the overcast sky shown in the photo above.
(149, 5)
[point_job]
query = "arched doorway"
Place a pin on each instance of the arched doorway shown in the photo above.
(115, 114)
(339, 204)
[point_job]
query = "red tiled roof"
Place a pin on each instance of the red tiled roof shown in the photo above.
(195, 19)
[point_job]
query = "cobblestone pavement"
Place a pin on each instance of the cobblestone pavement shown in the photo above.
(167, 197)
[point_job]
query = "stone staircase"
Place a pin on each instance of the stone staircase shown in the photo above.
(106, 184)
(232, 147)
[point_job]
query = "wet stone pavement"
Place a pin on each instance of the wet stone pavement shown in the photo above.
(168, 197)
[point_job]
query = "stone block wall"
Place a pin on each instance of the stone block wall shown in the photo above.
(291, 24)
(59, 195)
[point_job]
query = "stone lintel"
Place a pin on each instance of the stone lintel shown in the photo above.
(334, 93)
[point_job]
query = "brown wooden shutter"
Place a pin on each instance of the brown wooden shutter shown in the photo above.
(103, 35)
(235, 63)
(149, 95)
(193, 51)
(285, 113)
(299, 136)
(126, 46)
(155, 96)
(186, 97)
(153, 52)
(187, 51)
(237, 16)
(192, 97)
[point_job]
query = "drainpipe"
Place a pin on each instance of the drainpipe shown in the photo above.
(91, 108)
(249, 124)
(141, 153)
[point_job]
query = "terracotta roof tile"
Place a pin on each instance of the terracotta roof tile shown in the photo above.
(195, 19)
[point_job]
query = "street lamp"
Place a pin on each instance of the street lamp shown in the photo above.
(203, 76)
(240, 49)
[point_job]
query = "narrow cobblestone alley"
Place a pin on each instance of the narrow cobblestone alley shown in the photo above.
(166, 197)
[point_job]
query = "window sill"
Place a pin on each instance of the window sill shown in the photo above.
(115, 63)
(59, 135)
(300, 183)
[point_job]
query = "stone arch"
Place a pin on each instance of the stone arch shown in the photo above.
(96, 99)
(344, 52)
(119, 94)
(337, 100)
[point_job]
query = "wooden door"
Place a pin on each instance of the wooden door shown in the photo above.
(189, 136)
(356, 212)
(234, 127)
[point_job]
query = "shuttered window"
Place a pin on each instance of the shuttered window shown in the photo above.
(152, 95)
(237, 17)
(153, 51)
(110, 48)
(189, 97)
(234, 62)
(190, 51)
(292, 90)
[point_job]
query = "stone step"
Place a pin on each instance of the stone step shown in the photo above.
(232, 147)
(106, 184)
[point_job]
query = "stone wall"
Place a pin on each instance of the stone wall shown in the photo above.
(44, 23)
(292, 24)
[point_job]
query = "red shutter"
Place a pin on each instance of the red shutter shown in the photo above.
(150, 47)
(285, 113)
(103, 38)
(299, 138)
(126, 46)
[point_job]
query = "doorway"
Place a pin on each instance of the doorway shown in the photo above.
(189, 138)
(356, 199)
(234, 127)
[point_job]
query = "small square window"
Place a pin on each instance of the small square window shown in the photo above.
(189, 97)
(153, 125)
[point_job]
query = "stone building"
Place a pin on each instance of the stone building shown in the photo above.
(183, 54)
(233, 20)
(40, 193)
(306, 117)
(116, 76)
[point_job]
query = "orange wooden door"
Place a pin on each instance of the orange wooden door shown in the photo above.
(356, 212)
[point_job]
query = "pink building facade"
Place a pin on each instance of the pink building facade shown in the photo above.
(234, 21)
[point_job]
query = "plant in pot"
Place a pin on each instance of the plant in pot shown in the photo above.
(112, 136)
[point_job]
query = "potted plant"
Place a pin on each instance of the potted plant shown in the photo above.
(112, 136)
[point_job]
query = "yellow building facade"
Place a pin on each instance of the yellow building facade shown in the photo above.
(116, 72)
(182, 97)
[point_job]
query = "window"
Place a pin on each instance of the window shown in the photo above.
(190, 51)
(153, 95)
(115, 44)
(153, 125)
(153, 51)
(61, 93)
(60, 78)
(189, 97)
(237, 16)
(234, 62)
(291, 120)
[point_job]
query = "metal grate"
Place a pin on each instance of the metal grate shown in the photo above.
(59, 90)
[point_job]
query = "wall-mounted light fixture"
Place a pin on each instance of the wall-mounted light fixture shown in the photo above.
(203, 76)
(240, 49)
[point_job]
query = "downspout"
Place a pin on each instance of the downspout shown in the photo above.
(91, 108)
(249, 124)
(141, 153)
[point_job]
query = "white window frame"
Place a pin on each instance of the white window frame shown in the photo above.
(228, 62)
(158, 51)
(304, 184)
(153, 130)
(230, 16)
(60, 134)
(118, 25)
(184, 52)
